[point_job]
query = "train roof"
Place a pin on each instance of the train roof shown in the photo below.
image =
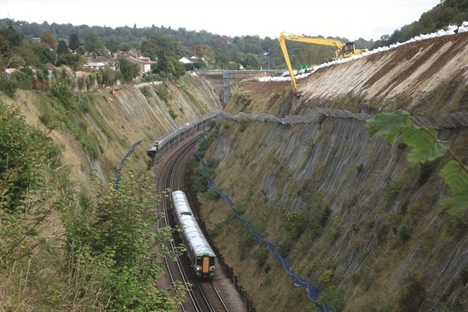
(191, 229)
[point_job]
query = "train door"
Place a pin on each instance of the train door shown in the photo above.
(206, 265)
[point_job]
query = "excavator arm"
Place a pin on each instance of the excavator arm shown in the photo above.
(343, 50)
(282, 43)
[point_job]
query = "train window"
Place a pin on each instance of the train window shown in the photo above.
(186, 213)
(212, 260)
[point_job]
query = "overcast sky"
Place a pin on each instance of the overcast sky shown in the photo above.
(368, 19)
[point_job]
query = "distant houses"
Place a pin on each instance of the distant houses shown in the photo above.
(108, 59)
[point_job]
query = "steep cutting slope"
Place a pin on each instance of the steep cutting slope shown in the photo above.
(349, 212)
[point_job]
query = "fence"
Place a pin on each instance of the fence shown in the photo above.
(442, 121)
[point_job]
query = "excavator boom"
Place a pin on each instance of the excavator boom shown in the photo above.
(343, 51)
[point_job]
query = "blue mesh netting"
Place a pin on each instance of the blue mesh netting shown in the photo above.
(312, 291)
(122, 163)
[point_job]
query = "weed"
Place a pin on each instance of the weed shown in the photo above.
(325, 276)
(226, 125)
(404, 232)
(261, 256)
(212, 195)
(284, 248)
(310, 146)
(173, 114)
(242, 124)
(240, 208)
(245, 240)
(412, 293)
(382, 232)
(295, 224)
(332, 298)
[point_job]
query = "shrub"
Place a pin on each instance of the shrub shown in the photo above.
(172, 113)
(7, 85)
(162, 92)
(24, 78)
(146, 92)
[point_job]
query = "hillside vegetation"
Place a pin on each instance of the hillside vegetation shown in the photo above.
(77, 216)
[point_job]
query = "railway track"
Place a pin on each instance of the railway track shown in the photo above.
(203, 295)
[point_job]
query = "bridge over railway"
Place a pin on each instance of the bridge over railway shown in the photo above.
(221, 80)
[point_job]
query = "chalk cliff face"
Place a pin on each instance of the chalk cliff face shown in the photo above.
(349, 212)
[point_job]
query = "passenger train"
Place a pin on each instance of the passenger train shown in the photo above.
(173, 138)
(198, 249)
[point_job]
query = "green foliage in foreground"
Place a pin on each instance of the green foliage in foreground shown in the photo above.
(24, 153)
(63, 251)
(116, 230)
(426, 147)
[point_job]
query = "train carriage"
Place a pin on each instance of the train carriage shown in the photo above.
(198, 249)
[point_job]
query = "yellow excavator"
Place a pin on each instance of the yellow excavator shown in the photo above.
(344, 50)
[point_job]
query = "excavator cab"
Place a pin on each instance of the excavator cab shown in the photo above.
(348, 49)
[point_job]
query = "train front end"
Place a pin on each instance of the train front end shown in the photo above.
(205, 265)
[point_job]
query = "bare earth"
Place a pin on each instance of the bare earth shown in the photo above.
(410, 70)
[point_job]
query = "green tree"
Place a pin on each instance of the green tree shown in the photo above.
(49, 39)
(35, 54)
(169, 67)
(73, 61)
(73, 42)
(16, 62)
(250, 61)
(47, 56)
(222, 60)
(202, 49)
(9, 39)
(112, 45)
(13, 37)
(92, 43)
(128, 69)
(109, 76)
(159, 46)
(24, 157)
(62, 48)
